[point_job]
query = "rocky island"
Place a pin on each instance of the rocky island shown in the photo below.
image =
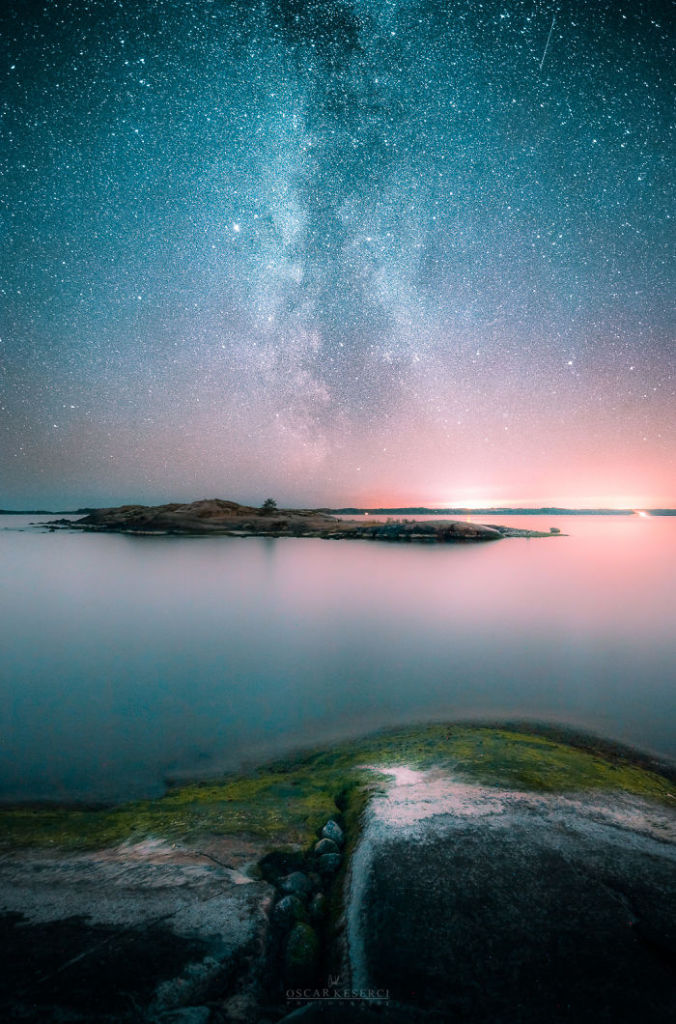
(228, 518)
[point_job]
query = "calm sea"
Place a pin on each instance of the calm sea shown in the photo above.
(130, 660)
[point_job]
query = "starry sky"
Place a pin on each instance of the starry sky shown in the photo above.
(337, 251)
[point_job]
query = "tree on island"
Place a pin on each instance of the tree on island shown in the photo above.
(269, 507)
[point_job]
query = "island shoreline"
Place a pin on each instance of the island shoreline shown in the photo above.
(217, 517)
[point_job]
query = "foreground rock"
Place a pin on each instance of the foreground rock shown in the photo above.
(478, 904)
(467, 898)
(144, 932)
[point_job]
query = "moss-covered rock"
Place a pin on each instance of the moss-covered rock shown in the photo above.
(287, 803)
(301, 955)
(318, 907)
(288, 911)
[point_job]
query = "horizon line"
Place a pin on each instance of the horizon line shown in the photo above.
(628, 508)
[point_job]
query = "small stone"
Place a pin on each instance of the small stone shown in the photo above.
(297, 883)
(276, 865)
(326, 846)
(332, 830)
(329, 863)
(241, 1009)
(302, 954)
(187, 1015)
(288, 911)
(318, 907)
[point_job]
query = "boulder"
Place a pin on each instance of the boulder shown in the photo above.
(329, 863)
(318, 907)
(326, 846)
(288, 911)
(332, 830)
(481, 903)
(297, 883)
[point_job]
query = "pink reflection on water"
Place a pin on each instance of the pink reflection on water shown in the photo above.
(607, 573)
(127, 657)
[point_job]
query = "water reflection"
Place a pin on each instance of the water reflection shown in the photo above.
(130, 658)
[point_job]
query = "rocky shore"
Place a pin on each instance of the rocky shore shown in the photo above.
(480, 904)
(444, 872)
(227, 518)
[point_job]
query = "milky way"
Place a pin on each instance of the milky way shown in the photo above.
(337, 252)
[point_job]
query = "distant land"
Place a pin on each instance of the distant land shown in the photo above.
(409, 510)
(45, 512)
(421, 510)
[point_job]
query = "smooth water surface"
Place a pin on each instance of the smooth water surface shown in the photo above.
(127, 660)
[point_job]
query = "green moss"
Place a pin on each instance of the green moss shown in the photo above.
(286, 802)
(301, 956)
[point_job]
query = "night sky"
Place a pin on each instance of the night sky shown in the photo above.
(352, 252)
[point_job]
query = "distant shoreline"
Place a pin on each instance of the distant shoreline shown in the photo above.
(544, 511)
(409, 510)
(44, 512)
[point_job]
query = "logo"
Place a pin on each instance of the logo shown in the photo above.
(337, 992)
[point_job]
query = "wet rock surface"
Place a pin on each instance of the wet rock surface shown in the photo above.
(514, 907)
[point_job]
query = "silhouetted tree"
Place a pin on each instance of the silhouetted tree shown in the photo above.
(269, 507)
